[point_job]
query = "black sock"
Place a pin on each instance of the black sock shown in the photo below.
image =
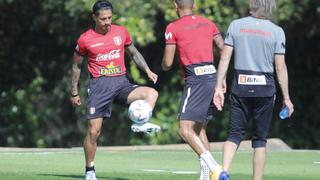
(89, 168)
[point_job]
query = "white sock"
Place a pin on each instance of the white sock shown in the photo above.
(204, 170)
(91, 163)
(209, 160)
(212, 159)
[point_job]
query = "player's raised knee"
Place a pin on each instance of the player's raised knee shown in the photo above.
(151, 93)
(154, 93)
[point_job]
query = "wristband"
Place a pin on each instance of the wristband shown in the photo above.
(74, 95)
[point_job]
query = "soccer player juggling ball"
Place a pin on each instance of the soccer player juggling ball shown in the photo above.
(193, 36)
(259, 45)
(104, 47)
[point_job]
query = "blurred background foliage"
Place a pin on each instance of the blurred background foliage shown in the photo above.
(37, 42)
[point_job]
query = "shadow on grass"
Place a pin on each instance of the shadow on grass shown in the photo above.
(80, 177)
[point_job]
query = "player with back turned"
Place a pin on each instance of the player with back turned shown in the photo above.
(259, 48)
(193, 37)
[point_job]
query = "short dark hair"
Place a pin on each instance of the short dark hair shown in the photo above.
(101, 5)
(183, 4)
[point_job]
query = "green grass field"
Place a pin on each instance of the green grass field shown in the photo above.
(150, 165)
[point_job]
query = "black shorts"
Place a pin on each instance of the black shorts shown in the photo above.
(196, 101)
(103, 91)
(261, 110)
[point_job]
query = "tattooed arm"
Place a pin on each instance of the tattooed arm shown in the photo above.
(141, 63)
(75, 98)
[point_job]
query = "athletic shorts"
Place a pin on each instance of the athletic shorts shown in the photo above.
(196, 101)
(261, 111)
(103, 91)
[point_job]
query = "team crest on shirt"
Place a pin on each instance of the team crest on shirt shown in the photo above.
(117, 40)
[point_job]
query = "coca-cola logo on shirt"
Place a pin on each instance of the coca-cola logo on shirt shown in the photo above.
(114, 54)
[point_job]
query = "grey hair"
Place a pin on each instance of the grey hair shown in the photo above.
(263, 8)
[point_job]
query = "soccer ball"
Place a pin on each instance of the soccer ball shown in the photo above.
(140, 111)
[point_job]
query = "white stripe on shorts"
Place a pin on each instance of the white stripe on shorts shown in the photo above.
(186, 100)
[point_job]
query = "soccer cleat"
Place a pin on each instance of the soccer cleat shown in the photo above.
(90, 175)
(214, 175)
(148, 128)
(224, 176)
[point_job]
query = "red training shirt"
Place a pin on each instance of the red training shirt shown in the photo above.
(193, 36)
(104, 52)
